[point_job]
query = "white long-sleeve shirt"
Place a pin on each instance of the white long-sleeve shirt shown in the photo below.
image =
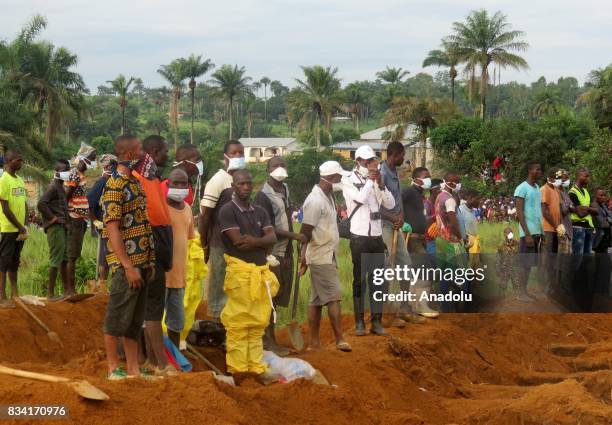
(357, 190)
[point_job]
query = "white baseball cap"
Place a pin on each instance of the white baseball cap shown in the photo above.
(365, 152)
(329, 168)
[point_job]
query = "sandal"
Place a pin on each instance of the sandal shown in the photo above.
(344, 346)
(118, 374)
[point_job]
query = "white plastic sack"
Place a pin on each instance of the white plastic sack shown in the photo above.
(289, 369)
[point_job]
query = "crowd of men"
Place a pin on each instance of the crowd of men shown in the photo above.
(145, 223)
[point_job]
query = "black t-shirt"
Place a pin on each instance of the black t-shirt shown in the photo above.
(224, 197)
(414, 214)
(250, 221)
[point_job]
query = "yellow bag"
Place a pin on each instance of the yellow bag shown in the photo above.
(195, 274)
(249, 290)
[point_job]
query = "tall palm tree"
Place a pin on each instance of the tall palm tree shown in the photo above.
(193, 67)
(120, 86)
(547, 102)
(173, 73)
(354, 102)
(316, 97)
(426, 114)
(446, 58)
(599, 96)
(265, 81)
(256, 86)
(231, 82)
(392, 75)
(483, 39)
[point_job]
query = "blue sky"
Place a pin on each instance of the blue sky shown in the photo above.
(275, 37)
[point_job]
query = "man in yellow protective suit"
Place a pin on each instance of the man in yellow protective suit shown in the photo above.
(247, 235)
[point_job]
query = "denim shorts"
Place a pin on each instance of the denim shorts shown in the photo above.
(175, 309)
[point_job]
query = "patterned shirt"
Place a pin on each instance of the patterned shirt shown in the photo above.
(78, 206)
(125, 201)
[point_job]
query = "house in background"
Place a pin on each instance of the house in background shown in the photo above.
(375, 139)
(260, 149)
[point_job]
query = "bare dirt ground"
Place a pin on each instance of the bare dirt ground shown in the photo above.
(458, 369)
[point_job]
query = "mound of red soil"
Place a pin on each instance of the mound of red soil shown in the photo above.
(458, 369)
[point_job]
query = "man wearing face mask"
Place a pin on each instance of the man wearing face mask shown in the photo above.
(53, 208)
(182, 231)
(130, 254)
(146, 171)
(565, 242)
(415, 214)
(452, 249)
(365, 194)
(274, 199)
(189, 159)
(218, 192)
(108, 162)
(78, 208)
(320, 228)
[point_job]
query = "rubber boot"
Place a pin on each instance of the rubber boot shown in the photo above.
(359, 321)
(270, 344)
(377, 328)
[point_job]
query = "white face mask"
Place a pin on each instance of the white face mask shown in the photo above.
(63, 175)
(510, 236)
(90, 164)
(235, 163)
(566, 183)
(426, 183)
(336, 187)
(199, 165)
(279, 174)
(363, 171)
(456, 189)
(177, 195)
(556, 183)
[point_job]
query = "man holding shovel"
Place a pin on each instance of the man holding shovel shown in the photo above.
(274, 199)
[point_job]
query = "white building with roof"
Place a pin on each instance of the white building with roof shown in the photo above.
(260, 149)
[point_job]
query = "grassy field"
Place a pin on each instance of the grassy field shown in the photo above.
(34, 266)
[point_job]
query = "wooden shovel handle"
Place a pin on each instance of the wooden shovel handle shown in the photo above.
(32, 375)
(31, 313)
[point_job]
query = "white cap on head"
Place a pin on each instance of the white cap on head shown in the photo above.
(329, 168)
(365, 152)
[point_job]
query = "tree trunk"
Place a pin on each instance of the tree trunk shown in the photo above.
(318, 131)
(265, 103)
(122, 120)
(357, 122)
(192, 111)
(424, 147)
(453, 91)
(174, 117)
(484, 81)
(249, 123)
(231, 121)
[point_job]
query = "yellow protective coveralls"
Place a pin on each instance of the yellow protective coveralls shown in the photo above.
(194, 276)
(246, 314)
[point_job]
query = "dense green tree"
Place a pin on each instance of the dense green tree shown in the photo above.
(446, 57)
(174, 74)
(231, 82)
(599, 96)
(194, 67)
(483, 39)
(121, 86)
(316, 98)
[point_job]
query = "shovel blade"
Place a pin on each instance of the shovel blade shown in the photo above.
(224, 378)
(78, 297)
(88, 391)
(295, 335)
(55, 338)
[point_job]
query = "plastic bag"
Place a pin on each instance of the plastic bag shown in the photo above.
(289, 369)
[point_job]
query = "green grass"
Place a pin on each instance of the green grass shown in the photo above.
(34, 266)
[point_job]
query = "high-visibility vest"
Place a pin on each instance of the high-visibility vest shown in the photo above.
(585, 200)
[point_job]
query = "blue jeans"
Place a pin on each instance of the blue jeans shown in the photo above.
(582, 240)
(175, 309)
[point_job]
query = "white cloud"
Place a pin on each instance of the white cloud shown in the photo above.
(275, 37)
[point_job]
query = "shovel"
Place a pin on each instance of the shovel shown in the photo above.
(217, 374)
(52, 335)
(295, 333)
(78, 297)
(81, 387)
